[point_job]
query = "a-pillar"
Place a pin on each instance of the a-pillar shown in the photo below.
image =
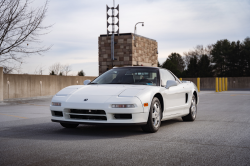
(1, 84)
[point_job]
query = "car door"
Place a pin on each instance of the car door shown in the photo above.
(174, 97)
(184, 89)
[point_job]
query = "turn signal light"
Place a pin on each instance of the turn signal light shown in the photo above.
(145, 104)
(56, 104)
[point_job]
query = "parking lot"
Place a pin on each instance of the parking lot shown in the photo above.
(219, 136)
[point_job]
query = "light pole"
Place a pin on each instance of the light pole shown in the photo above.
(113, 28)
(135, 28)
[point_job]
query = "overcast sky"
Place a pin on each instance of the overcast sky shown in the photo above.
(177, 25)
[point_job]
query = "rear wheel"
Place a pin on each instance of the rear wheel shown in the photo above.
(69, 125)
(192, 111)
(154, 117)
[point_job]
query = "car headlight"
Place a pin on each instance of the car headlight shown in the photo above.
(56, 104)
(123, 105)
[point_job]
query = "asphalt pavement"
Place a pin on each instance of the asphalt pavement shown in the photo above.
(219, 136)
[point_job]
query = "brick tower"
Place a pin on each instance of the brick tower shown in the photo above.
(129, 50)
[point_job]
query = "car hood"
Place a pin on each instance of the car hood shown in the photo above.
(105, 90)
(97, 93)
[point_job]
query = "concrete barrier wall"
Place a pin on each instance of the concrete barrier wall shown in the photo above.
(194, 80)
(238, 83)
(207, 83)
(24, 86)
(234, 83)
(1, 83)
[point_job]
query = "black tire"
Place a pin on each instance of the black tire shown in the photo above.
(69, 125)
(153, 124)
(192, 111)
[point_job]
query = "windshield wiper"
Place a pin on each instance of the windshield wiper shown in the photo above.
(120, 83)
(115, 83)
(112, 83)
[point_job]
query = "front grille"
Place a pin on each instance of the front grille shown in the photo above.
(88, 117)
(78, 111)
(123, 116)
(86, 114)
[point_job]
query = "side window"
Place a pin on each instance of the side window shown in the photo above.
(165, 76)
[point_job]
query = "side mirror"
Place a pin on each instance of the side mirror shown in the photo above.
(86, 82)
(170, 83)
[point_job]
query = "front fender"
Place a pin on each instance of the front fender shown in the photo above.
(146, 96)
(195, 89)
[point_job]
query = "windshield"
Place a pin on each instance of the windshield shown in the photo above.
(137, 76)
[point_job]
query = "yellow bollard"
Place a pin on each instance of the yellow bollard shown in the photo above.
(216, 85)
(219, 84)
(226, 84)
(180, 79)
(198, 84)
(223, 84)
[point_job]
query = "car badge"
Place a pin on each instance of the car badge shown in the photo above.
(89, 110)
(85, 100)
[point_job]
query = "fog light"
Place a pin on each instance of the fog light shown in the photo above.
(56, 104)
(122, 105)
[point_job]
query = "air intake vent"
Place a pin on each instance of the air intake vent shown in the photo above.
(57, 113)
(186, 97)
(123, 116)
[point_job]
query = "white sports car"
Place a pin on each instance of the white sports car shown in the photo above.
(127, 95)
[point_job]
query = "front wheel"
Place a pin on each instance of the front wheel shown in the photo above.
(69, 125)
(192, 111)
(154, 117)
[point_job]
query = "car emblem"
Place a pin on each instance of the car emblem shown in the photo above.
(89, 110)
(85, 100)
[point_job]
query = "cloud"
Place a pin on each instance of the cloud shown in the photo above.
(177, 25)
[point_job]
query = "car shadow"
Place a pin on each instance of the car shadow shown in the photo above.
(54, 131)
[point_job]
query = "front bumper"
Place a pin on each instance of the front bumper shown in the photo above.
(92, 123)
(97, 112)
(110, 118)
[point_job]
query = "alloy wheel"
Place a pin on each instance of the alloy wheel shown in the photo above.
(156, 115)
(193, 108)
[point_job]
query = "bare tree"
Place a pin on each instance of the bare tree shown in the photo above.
(67, 69)
(39, 70)
(20, 28)
(198, 51)
(208, 51)
(57, 68)
(8, 70)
